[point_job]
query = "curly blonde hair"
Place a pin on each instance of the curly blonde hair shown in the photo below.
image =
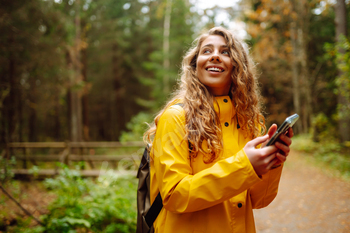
(202, 122)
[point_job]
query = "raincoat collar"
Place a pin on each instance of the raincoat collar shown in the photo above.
(224, 108)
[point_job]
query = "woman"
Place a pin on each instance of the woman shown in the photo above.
(207, 159)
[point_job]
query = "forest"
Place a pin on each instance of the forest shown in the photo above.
(97, 71)
(81, 70)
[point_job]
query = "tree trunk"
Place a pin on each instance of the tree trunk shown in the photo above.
(12, 99)
(303, 31)
(166, 34)
(3, 110)
(300, 71)
(20, 115)
(344, 121)
(57, 126)
(76, 80)
(32, 137)
(117, 106)
(295, 74)
(85, 101)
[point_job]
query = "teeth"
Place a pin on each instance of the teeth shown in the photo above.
(214, 69)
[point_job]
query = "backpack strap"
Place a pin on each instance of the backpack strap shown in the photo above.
(154, 210)
(157, 205)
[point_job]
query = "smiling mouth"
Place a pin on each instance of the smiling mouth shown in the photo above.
(215, 69)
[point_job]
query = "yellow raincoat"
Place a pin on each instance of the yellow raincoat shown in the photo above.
(199, 197)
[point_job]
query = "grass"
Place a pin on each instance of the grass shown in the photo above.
(328, 154)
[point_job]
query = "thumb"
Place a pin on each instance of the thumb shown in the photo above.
(272, 130)
(256, 141)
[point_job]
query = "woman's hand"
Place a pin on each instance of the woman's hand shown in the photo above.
(265, 158)
(283, 144)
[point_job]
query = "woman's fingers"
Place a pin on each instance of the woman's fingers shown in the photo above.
(265, 158)
(284, 142)
(285, 139)
(284, 149)
(290, 133)
(282, 158)
(262, 159)
(270, 132)
(257, 141)
(272, 163)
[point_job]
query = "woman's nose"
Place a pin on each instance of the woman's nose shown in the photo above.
(215, 57)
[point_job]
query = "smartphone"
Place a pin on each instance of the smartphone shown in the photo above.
(288, 123)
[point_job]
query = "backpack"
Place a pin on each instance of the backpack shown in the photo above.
(147, 213)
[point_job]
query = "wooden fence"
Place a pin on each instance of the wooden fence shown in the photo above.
(69, 152)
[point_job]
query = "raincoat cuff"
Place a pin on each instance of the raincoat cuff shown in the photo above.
(250, 167)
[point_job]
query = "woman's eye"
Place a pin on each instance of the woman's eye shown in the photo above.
(225, 52)
(206, 51)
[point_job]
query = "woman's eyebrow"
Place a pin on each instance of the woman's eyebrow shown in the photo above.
(208, 45)
(211, 45)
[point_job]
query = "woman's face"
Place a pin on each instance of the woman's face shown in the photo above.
(214, 65)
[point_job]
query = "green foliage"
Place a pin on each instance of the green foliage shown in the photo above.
(323, 128)
(137, 127)
(340, 52)
(82, 205)
(6, 167)
(328, 153)
(117, 38)
(181, 32)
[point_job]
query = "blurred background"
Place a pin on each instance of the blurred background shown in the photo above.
(81, 70)
(96, 71)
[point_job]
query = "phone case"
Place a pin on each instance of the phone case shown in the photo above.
(289, 122)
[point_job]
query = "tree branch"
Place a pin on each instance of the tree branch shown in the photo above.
(20, 206)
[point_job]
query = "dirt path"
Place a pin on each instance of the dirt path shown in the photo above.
(308, 201)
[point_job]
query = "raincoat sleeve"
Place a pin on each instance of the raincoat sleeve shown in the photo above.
(263, 193)
(181, 190)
